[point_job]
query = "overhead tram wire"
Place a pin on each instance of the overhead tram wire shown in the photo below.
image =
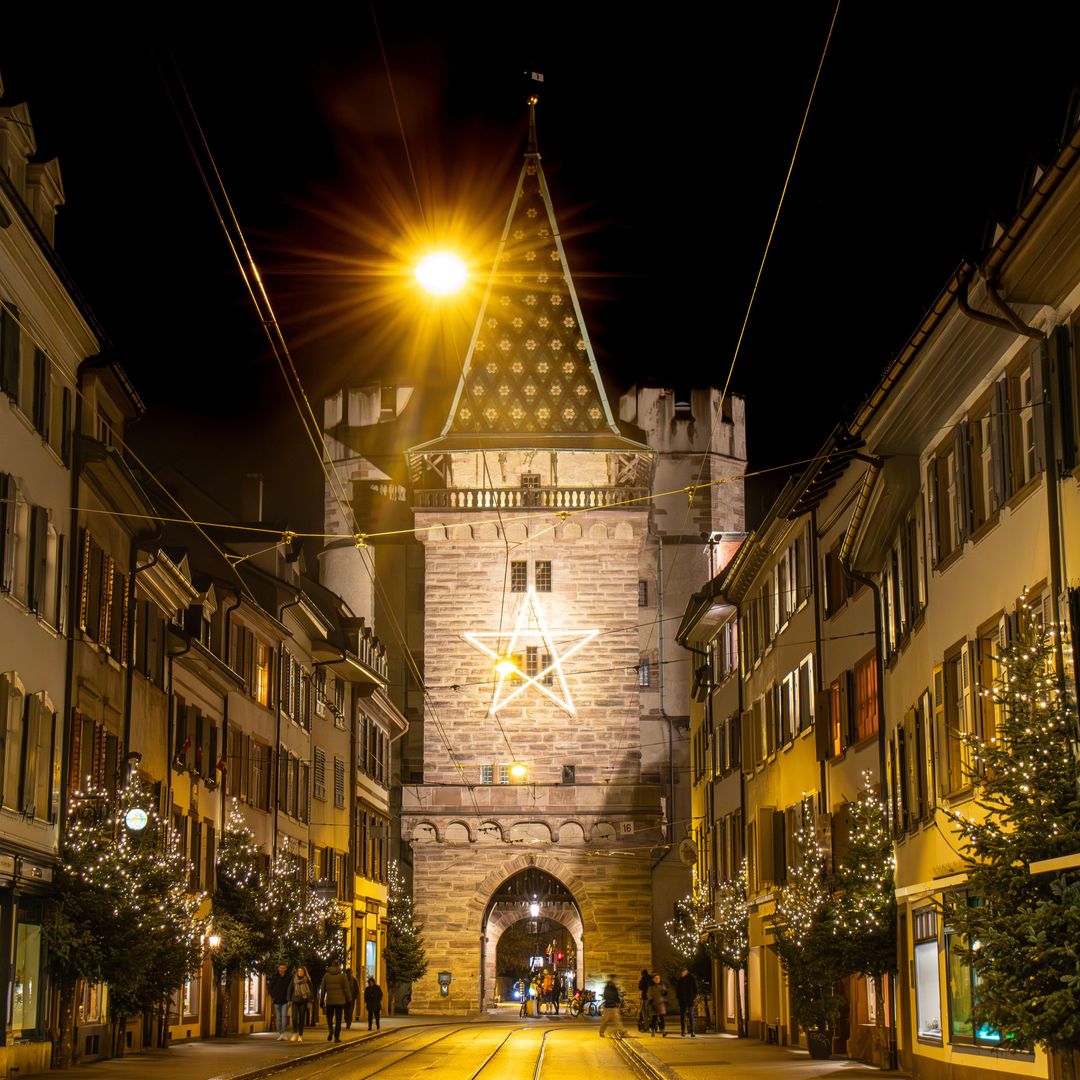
(280, 349)
(754, 291)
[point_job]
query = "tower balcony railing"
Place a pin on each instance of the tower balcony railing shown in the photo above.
(529, 498)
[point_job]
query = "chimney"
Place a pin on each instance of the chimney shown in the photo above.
(251, 497)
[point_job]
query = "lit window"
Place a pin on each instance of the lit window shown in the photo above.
(543, 576)
(519, 576)
(927, 985)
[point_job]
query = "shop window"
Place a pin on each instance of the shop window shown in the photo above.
(252, 992)
(927, 981)
(26, 978)
(92, 1003)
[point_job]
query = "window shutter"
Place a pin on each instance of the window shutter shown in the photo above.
(62, 594)
(200, 748)
(1064, 383)
(847, 703)
(746, 732)
(967, 678)
(938, 732)
(246, 791)
(932, 500)
(210, 769)
(9, 349)
(74, 780)
(39, 558)
(8, 515)
(822, 725)
(1040, 406)
(962, 479)
(65, 430)
(1000, 457)
(42, 386)
(766, 845)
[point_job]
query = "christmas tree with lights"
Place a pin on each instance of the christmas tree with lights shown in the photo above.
(863, 885)
(806, 943)
(264, 916)
(688, 929)
(123, 913)
(405, 958)
(1019, 930)
(731, 936)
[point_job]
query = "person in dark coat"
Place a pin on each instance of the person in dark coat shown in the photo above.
(277, 986)
(334, 993)
(350, 1005)
(656, 1000)
(686, 993)
(373, 1002)
(643, 985)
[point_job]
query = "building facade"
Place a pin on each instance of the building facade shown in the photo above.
(969, 508)
(45, 335)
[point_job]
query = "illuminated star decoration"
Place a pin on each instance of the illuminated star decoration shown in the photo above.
(507, 668)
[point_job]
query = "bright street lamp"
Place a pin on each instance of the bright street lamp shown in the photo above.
(441, 273)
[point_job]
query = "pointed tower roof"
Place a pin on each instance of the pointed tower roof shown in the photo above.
(530, 377)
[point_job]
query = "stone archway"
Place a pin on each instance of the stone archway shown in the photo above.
(502, 918)
(502, 900)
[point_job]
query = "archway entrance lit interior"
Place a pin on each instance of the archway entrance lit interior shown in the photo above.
(531, 919)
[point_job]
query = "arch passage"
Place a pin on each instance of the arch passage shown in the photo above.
(511, 903)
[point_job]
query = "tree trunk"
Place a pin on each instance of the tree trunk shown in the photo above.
(879, 1023)
(62, 1050)
(1064, 1065)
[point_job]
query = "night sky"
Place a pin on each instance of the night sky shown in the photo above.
(665, 131)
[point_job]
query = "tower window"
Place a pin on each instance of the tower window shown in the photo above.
(487, 774)
(519, 576)
(568, 774)
(543, 576)
(643, 673)
(642, 594)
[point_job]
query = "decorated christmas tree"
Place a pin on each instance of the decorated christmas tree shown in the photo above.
(863, 885)
(731, 936)
(807, 945)
(1019, 930)
(405, 958)
(123, 914)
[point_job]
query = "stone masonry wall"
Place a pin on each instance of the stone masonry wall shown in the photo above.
(594, 561)
(454, 884)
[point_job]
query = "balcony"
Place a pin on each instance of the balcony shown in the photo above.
(528, 498)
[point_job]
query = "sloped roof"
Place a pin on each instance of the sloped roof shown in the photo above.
(530, 370)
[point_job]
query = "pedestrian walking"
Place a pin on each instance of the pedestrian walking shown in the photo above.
(643, 986)
(686, 994)
(656, 999)
(334, 993)
(301, 994)
(350, 1005)
(277, 986)
(611, 1008)
(373, 1002)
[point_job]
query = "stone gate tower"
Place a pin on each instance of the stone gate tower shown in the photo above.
(533, 511)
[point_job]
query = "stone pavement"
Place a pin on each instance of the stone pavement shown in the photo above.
(724, 1057)
(221, 1059)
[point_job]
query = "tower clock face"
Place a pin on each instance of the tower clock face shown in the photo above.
(136, 819)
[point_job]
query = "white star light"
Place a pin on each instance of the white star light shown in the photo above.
(507, 669)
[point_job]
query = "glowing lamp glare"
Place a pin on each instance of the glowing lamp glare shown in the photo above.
(441, 273)
(518, 771)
